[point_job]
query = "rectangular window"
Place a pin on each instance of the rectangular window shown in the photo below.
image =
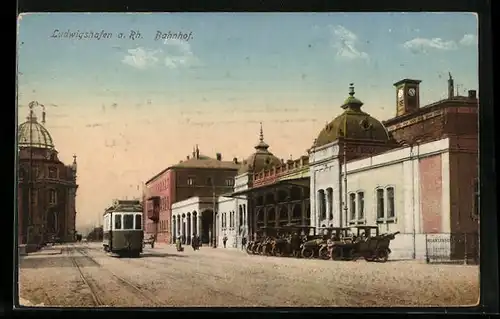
(361, 205)
(391, 213)
(128, 221)
(380, 203)
(229, 182)
(352, 206)
(475, 209)
(138, 222)
(190, 181)
(52, 172)
(118, 222)
(52, 196)
(209, 181)
(34, 196)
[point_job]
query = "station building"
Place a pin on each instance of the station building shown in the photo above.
(416, 173)
(46, 191)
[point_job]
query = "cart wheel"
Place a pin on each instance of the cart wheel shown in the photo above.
(383, 256)
(323, 253)
(307, 253)
(277, 252)
(352, 255)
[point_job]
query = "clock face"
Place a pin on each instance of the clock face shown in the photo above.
(411, 92)
(400, 93)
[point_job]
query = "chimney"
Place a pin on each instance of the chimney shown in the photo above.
(472, 94)
(197, 152)
(235, 160)
(187, 157)
(451, 86)
(219, 156)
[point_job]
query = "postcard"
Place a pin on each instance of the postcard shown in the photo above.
(248, 160)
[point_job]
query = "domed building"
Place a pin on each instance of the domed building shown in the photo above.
(261, 159)
(356, 128)
(46, 186)
(353, 123)
(352, 135)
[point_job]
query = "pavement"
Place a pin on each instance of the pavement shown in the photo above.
(163, 277)
(47, 250)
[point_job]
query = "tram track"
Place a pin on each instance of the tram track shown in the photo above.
(122, 282)
(93, 291)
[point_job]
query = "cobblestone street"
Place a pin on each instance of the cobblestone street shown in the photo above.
(83, 275)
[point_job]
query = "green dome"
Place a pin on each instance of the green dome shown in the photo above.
(356, 124)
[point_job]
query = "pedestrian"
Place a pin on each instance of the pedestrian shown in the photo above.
(243, 242)
(193, 242)
(224, 240)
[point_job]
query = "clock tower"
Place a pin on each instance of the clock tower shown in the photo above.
(407, 96)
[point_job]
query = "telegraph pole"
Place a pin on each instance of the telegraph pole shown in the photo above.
(214, 238)
(31, 175)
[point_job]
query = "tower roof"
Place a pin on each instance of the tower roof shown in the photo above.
(261, 158)
(353, 123)
(33, 134)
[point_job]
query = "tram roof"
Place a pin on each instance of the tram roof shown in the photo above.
(124, 209)
(299, 182)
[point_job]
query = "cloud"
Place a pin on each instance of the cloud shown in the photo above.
(468, 40)
(423, 45)
(141, 58)
(178, 54)
(345, 42)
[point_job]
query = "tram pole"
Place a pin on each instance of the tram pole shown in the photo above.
(214, 238)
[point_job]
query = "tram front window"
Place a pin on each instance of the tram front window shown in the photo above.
(128, 221)
(138, 222)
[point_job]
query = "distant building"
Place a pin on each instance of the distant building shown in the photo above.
(46, 188)
(197, 176)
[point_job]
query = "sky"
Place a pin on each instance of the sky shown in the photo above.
(129, 101)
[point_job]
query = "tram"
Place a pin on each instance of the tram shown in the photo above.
(123, 232)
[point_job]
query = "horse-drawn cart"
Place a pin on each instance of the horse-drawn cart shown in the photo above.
(149, 241)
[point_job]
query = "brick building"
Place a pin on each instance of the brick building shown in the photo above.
(46, 186)
(196, 176)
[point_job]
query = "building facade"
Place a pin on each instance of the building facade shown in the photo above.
(415, 173)
(196, 176)
(47, 187)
